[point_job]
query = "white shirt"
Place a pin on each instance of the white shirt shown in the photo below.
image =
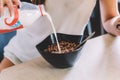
(69, 16)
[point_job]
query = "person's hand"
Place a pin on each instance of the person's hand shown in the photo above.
(9, 4)
(112, 26)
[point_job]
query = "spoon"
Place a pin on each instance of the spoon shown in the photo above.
(91, 35)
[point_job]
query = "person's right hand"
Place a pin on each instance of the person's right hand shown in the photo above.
(112, 26)
(9, 4)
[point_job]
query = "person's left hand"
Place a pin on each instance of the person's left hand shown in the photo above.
(9, 4)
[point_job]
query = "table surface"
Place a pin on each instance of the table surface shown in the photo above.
(100, 60)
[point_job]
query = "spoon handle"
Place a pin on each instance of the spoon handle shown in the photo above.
(91, 35)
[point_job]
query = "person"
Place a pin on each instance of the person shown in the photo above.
(66, 15)
(5, 38)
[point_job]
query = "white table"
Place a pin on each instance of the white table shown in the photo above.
(100, 60)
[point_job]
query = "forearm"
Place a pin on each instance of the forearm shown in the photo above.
(5, 63)
(108, 9)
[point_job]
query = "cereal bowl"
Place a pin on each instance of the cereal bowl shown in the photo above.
(68, 55)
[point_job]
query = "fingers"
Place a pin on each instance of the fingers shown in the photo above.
(9, 4)
(118, 26)
(112, 26)
(117, 23)
(16, 2)
(1, 7)
(116, 30)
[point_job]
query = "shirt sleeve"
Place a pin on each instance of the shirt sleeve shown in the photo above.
(12, 58)
(9, 51)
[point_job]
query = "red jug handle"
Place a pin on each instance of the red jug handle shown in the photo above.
(15, 19)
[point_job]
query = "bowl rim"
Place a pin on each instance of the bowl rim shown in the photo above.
(77, 49)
